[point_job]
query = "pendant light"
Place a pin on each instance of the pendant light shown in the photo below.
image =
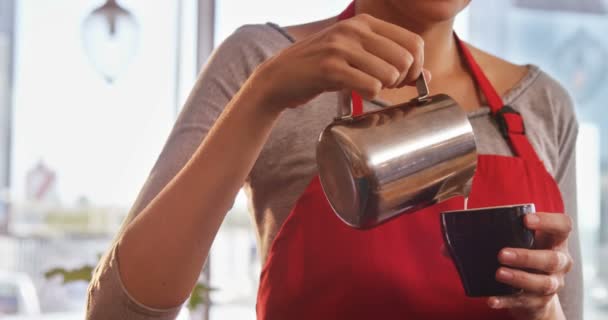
(110, 36)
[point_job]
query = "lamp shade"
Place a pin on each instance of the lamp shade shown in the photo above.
(110, 37)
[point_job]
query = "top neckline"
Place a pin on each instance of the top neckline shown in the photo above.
(508, 97)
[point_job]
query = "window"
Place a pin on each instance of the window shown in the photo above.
(82, 145)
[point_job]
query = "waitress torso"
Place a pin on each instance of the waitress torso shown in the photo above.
(318, 268)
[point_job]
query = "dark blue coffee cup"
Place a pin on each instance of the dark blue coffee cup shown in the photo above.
(474, 238)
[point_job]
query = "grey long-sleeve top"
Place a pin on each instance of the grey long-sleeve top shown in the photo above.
(286, 163)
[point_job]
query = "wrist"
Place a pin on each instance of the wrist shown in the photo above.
(258, 90)
(557, 313)
(554, 310)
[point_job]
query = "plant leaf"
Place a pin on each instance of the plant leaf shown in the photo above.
(199, 295)
(84, 273)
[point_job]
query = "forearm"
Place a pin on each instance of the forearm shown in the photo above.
(559, 312)
(162, 251)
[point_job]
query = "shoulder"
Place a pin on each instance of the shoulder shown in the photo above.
(257, 35)
(528, 88)
(503, 74)
(235, 59)
(525, 83)
(542, 98)
(549, 113)
(545, 88)
(230, 64)
(247, 47)
(267, 35)
(545, 105)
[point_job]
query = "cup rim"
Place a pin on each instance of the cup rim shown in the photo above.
(531, 207)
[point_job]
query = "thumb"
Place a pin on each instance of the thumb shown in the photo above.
(427, 77)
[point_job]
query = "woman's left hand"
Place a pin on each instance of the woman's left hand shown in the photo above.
(545, 269)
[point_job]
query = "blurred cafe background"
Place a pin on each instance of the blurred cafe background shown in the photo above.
(86, 105)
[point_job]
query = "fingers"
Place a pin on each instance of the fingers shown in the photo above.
(342, 75)
(558, 226)
(398, 47)
(412, 42)
(540, 284)
(417, 51)
(374, 66)
(547, 261)
(547, 268)
(390, 52)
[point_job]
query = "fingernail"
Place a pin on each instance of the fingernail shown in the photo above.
(532, 219)
(563, 260)
(508, 255)
(553, 286)
(504, 274)
(396, 81)
(494, 303)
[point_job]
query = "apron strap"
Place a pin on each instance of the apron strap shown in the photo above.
(356, 100)
(510, 122)
(349, 12)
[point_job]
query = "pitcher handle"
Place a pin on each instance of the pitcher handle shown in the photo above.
(345, 106)
(422, 87)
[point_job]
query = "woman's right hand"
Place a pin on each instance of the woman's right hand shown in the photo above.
(363, 53)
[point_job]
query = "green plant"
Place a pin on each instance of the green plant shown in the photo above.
(199, 296)
(83, 273)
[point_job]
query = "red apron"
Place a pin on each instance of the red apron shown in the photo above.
(319, 268)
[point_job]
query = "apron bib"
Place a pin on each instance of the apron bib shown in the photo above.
(319, 268)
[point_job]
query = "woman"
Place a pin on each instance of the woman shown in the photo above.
(253, 119)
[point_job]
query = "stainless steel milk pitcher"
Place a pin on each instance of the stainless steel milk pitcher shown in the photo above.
(395, 160)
